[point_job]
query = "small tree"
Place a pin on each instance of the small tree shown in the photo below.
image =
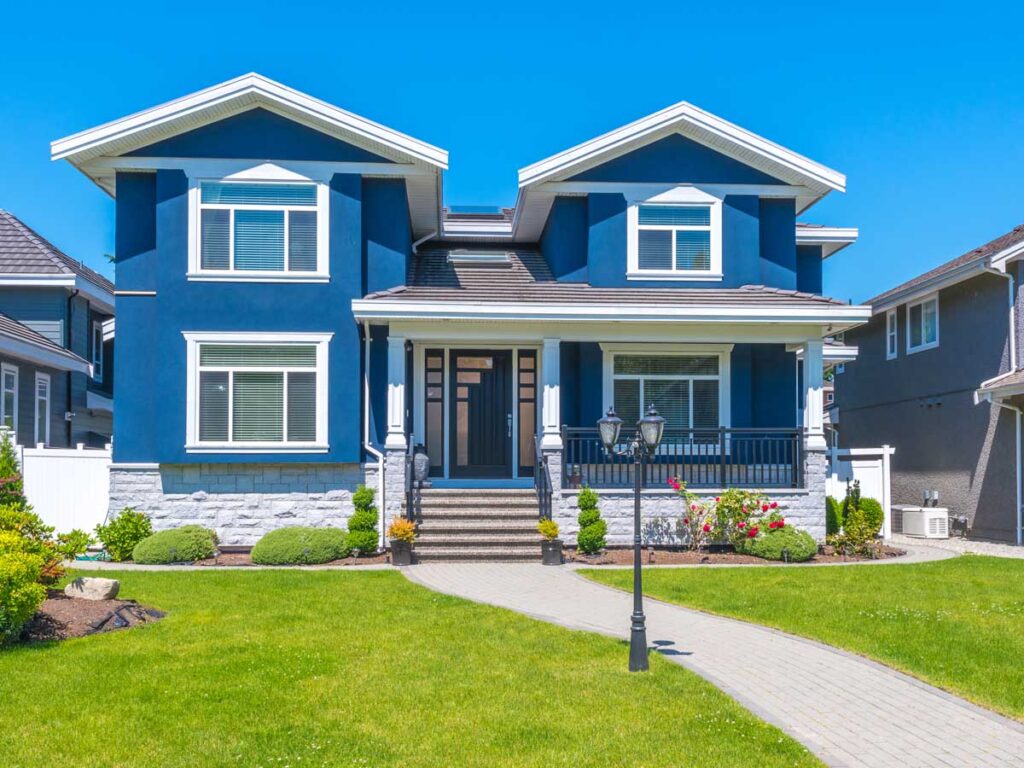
(362, 526)
(12, 486)
(591, 536)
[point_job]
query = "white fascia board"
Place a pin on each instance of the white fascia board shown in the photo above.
(478, 228)
(223, 168)
(694, 123)
(40, 355)
(831, 239)
(937, 283)
(1004, 257)
(230, 97)
(103, 298)
(831, 353)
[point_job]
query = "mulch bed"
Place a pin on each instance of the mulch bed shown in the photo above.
(655, 556)
(61, 617)
(243, 559)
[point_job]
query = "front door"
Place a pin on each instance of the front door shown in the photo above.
(481, 416)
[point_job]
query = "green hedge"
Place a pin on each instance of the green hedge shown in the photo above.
(770, 545)
(296, 545)
(21, 594)
(178, 545)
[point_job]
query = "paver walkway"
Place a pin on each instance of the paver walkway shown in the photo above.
(847, 710)
(961, 546)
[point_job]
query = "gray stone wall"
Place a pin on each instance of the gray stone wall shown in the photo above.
(239, 501)
(394, 485)
(662, 510)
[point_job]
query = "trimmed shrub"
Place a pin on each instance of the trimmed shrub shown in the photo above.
(121, 534)
(21, 594)
(548, 529)
(873, 514)
(12, 486)
(588, 517)
(38, 539)
(587, 498)
(297, 545)
(362, 526)
(799, 543)
(591, 536)
(178, 545)
(833, 516)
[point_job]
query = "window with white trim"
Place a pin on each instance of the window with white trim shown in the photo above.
(97, 351)
(264, 393)
(676, 235)
(42, 408)
(686, 389)
(891, 341)
(261, 228)
(9, 404)
(923, 324)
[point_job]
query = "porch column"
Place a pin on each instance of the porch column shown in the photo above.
(814, 397)
(551, 405)
(396, 393)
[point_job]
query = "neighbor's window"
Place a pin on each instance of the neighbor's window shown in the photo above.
(684, 388)
(42, 409)
(258, 227)
(9, 404)
(97, 351)
(674, 238)
(890, 335)
(923, 324)
(258, 394)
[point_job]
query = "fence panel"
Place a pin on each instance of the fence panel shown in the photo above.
(870, 467)
(68, 488)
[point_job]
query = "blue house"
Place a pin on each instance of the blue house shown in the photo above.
(56, 343)
(297, 308)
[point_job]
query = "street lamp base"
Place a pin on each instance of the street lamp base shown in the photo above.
(638, 648)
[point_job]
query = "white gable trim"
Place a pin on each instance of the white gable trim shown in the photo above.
(831, 239)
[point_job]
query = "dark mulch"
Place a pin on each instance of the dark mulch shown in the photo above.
(243, 558)
(61, 617)
(656, 556)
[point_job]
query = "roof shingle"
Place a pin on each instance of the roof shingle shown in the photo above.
(23, 251)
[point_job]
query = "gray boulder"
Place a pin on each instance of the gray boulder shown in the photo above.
(92, 588)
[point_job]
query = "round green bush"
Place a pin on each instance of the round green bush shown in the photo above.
(363, 520)
(588, 517)
(833, 516)
(363, 541)
(178, 545)
(801, 545)
(296, 545)
(873, 514)
(590, 539)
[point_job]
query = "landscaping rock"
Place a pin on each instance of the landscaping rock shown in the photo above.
(93, 588)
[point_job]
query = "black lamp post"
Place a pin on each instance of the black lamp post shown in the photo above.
(649, 430)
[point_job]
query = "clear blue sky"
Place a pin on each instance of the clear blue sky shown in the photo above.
(921, 107)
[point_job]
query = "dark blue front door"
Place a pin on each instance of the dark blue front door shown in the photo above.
(481, 414)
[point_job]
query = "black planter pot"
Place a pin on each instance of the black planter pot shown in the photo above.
(401, 552)
(551, 552)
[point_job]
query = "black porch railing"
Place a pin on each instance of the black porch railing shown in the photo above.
(542, 482)
(716, 458)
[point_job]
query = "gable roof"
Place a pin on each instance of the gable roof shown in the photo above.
(20, 341)
(953, 271)
(26, 256)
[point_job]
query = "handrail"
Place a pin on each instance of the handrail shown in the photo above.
(410, 485)
(542, 481)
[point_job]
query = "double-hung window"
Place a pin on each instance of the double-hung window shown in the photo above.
(267, 393)
(686, 389)
(675, 236)
(97, 351)
(891, 341)
(923, 324)
(42, 408)
(253, 229)
(9, 404)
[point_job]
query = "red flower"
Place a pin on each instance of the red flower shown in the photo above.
(774, 504)
(717, 499)
(706, 528)
(670, 480)
(741, 524)
(693, 507)
(764, 507)
(686, 521)
(752, 532)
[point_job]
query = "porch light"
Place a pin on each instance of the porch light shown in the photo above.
(609, 428)
(652, 427)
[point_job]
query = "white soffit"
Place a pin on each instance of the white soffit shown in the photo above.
(831, 239)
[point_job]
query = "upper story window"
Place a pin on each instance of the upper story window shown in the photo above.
(891, 339)
(675, 236)
(97, 351)
(923, 324)
(260, 230)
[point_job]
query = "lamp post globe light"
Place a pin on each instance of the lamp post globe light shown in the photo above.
(645, 441)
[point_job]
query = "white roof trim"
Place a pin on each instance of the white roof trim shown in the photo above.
(937, 283)
(693, 123)
(231, 97)
(831, 239)
(103, 298)
(831, 353)
(41, 355)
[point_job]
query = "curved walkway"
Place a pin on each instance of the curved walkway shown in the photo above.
(846, 709)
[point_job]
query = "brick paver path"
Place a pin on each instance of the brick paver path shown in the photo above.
(845, 709)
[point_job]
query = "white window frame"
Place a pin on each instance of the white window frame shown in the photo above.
(97, 350)
(892, 345)
(268, 173)
(192, 442)
(919, 303)
(6, 368)
(722, 351)
(679, 196)
(40, 378)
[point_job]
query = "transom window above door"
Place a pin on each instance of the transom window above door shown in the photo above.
(675, 236)
(260, 230)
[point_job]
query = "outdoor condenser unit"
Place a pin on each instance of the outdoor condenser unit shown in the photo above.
(926, 522)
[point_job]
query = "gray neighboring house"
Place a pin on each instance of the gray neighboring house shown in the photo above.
(55, 305)
(939, 377)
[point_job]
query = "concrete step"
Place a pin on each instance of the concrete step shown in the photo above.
(441, 526)
(496, 539)
(481, 502)
(478, 513)
(478, 554)
(500, 492)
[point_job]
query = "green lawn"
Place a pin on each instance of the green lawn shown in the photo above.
(958, 624)
(292, 668)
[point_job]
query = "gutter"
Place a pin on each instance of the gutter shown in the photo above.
(422, 240)
(367, 445)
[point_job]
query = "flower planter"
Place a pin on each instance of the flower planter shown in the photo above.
(551, 552)
(401, 552)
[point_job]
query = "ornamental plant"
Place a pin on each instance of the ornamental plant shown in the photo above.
(738, 515)
(548, 529)
(362, 526)
(176, 545)
(21, 594)
(38, 539)
(402, 529)
(12, 485)
(298, 545)
(698, 516)
(591, 537)
(862, 519)
(121, 534)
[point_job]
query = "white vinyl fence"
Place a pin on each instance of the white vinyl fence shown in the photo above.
(869, 466)
(68, 488)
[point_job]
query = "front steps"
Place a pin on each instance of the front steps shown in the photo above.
(472, 525)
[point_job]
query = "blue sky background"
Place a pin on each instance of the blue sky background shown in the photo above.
(920, 105)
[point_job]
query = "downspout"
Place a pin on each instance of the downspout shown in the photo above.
(1012, 336)
(367, 445)
(1017, 453)
(67, 394)
(422, 240)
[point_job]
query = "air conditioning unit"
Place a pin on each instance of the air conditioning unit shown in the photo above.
(926, 522)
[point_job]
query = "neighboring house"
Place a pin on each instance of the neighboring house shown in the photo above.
(938, 377)
(296, 307)
(72, 307)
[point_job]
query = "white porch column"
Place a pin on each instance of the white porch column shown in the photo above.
(814, 397)
(396, 393)
(551, 404)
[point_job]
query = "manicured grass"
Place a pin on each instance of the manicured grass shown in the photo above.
(279, 668)
(958, 624)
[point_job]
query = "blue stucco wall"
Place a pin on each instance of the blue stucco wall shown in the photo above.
(809, 268)
(387, 234)
(676, 159)
(258, 134)
(564, 241)
(778, 243)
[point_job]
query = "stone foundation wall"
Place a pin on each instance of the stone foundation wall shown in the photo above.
(240, 501)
